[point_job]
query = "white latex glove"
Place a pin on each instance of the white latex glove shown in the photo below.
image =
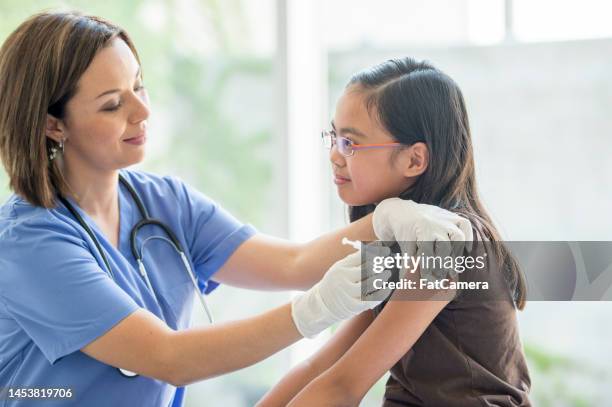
(337, 296)
(417, 226)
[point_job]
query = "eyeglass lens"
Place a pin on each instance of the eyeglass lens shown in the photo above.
(345, 146)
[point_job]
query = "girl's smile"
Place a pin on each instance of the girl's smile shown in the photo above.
(340, 180)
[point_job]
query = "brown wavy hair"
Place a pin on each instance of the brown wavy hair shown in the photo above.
(41, 63)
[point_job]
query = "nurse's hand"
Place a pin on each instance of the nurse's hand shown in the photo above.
(337, 296)
(417, 226)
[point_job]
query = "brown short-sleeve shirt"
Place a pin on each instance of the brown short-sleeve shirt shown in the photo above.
(470, 355)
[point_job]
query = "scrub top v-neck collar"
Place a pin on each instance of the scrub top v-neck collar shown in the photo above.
(126, 221)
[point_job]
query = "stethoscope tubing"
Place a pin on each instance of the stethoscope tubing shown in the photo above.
(146, 220)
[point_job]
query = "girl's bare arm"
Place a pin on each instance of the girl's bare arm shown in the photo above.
(301, 375)
(385, 341)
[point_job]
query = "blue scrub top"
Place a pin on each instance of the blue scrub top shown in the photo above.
(56, 297)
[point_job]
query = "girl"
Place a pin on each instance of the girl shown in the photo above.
(401, 130)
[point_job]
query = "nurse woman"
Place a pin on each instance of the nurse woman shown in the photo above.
(99, 265)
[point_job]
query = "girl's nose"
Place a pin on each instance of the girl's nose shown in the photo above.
(336, 158)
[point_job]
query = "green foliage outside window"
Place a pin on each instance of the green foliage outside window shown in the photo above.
(224, 155)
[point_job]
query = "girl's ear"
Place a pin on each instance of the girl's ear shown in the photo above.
(54, 129)
(415, 160)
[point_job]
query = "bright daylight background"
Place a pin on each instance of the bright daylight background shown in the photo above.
(241, 88)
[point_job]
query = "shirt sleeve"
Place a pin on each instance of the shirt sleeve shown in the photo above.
(53, 287)
(212, 233)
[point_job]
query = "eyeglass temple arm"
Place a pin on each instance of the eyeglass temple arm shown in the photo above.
(366, 146)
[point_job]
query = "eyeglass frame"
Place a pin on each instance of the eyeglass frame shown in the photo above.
(333, 136)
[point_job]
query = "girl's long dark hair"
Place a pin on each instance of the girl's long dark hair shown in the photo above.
(416, 102)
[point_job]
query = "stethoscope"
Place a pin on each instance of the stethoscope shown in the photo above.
(138, 254)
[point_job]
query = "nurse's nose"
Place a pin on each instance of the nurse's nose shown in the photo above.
(140, 109)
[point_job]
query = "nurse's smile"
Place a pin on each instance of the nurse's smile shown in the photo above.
(138, 140)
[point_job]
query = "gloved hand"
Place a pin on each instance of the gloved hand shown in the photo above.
(416, 227)
(337, 296)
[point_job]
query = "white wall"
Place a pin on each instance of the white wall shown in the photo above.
(542, 128)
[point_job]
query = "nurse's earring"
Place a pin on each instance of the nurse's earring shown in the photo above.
(53, 153)
(54, 150)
